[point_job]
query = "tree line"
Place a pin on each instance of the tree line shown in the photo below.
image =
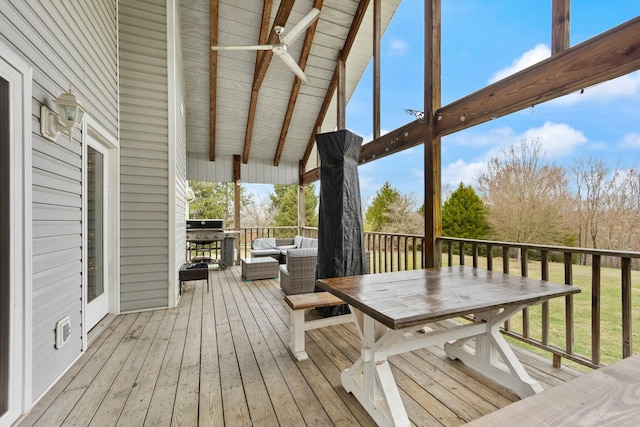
(521, 197)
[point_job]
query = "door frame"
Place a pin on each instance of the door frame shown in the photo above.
(107, 144)
(19, 74)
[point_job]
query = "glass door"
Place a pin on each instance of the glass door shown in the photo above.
(97, 299)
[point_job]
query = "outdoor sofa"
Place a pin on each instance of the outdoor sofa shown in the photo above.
(277, 248)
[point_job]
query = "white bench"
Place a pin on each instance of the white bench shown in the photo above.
(298, 305)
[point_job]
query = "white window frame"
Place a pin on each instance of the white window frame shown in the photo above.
(19, 74)
(106, 144)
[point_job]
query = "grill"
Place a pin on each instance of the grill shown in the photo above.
(208, 241)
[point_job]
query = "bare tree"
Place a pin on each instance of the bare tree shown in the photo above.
(527, 199)
(259, 213)
(594, 190)
(403, 216)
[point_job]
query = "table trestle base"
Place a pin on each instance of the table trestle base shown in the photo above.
(371, 381)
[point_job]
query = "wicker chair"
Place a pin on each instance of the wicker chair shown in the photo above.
(298, 275)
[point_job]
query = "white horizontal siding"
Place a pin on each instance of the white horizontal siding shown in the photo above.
(258, 171)
(65, 43)
(144, 155)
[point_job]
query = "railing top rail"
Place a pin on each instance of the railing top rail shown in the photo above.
(550, 248)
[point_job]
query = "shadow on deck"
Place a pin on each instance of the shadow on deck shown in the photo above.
(220, 358)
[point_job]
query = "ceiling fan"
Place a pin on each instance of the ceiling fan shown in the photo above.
(280, 49)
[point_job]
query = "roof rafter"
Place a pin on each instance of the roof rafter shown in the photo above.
(295, 89)
(262, 65)
(358, 17)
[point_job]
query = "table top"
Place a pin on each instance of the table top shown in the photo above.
(608, 396)
(260, 260)
(409, 298)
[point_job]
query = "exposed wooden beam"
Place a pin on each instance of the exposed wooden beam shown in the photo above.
(308, 177)
(601, 58)
(341, 118)
(377, 25)
(264, 30)
(295, 90)
(400, 139)
(432, 147)
(213, 77)
(262, 65)
(560, 25)
(358, 17)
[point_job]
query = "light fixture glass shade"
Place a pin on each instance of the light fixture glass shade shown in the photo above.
(69, 109)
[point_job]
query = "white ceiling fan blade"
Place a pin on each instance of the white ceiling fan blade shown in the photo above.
(256, 47)
(291, 63)
(300, 27)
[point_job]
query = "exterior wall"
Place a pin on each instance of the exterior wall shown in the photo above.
(152, 155)
(260, 171)
(64, 43)
(180, 135)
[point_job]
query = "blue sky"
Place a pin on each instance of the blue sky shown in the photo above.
(483, 41)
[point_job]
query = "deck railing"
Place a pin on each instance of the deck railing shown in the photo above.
(592, 328)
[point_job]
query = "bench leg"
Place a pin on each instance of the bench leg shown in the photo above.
(296, 334)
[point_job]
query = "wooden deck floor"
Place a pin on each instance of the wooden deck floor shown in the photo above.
(220, 358)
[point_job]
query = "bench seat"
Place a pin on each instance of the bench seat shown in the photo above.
(299, 304)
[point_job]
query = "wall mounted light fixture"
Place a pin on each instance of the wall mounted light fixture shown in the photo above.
(70, 112)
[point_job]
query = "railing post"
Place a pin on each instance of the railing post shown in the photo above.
(544, 275)
(568, 279)
(505, 259)
(627, 319)
(474, 254)
(596, 294)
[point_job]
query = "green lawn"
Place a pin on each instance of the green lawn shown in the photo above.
(611, 307)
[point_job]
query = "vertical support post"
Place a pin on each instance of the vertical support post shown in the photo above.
(560, 25)
(213, 77)
(377, 22)
(302, 221)
(342, 92)
(236, 200)
(432, 154)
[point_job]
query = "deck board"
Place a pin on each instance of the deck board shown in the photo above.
(221, 358)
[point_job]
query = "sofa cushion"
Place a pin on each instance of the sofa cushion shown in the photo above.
(297, 241)
(264, 243)
(285, 248)
(308, 243)
(303, 252)
(264, 252)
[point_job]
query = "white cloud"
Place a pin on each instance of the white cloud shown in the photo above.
(530, 57)
(630, 140)
(502, 136)
(461, 171)
(626, 86)
(558, 139)
(397, 47)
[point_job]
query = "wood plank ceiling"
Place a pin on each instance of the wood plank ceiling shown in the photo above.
(257, 107)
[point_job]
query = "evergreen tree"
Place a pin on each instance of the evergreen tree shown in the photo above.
(377, 215)
(285, 203)
(464, 215)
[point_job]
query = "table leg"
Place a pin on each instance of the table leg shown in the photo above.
(371, 381)
(488, 346)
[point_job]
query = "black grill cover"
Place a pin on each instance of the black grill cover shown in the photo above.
(340, 231)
